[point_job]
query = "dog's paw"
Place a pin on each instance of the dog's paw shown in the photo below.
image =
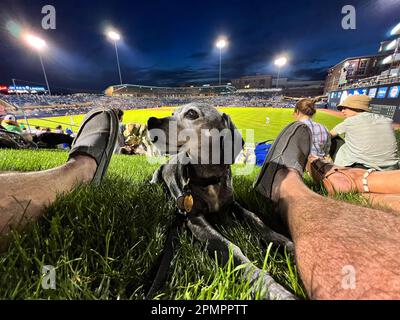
(156, 177)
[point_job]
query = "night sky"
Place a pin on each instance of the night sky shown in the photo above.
(172, 42)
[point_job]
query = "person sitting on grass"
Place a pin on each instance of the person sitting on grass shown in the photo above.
(59, 129)
(36, 131)
(120, 140)
(10, 124)
(370, 140)
(321, 140)
(328, 235)
(380, 188)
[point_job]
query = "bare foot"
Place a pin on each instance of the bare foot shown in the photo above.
(335, 178)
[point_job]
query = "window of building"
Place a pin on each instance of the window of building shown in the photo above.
(362, 68)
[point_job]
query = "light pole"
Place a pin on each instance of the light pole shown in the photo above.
(220, 44)
(21, 108)
(279, 62)
(38, 45)
(115, 36)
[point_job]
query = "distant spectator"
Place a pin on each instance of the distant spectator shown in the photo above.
(59, 129)
(120, 140)
(35, 130)
(321, 141)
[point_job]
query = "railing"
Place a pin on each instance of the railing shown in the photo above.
(371, 81)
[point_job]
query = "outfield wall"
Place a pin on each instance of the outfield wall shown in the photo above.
(385, 99)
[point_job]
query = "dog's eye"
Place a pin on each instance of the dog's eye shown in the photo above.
(191, 114)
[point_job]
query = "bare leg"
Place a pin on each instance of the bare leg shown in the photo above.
(23, 196)
(342, 251)
(378, 181)
(388, 201)
(384, 182)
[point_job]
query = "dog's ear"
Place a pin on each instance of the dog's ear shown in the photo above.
(231, 141)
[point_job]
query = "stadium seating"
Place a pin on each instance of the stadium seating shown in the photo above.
(58, 105)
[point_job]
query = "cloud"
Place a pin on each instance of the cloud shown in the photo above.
(198, 55)
(310, 73)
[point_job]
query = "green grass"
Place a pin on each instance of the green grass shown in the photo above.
(104, 241)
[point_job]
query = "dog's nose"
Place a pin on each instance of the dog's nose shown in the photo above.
(153, 122)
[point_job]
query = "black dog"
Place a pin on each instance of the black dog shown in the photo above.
(205, 189)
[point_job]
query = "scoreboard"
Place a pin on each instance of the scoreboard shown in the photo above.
(26, 89)
(385, 110)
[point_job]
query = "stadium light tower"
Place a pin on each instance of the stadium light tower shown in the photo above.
(393, 45)
(39, 45)
(115, 37)
(220, 44)
(395, 30)
(279, 62)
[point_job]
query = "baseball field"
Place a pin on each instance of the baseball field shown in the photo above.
(104, 241)
(244, 118)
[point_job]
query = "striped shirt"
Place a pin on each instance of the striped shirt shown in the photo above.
(370, 141)
(321, 139)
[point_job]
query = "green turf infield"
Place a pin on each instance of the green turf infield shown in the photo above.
(105, 240)
(244, 118)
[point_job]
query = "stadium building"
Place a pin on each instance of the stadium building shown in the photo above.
(385, 63)
(251, 82)
(353, 69)
(171, 92)
(377, 76)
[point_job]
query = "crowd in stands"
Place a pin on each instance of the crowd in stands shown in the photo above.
(45, 106)
(371, 81)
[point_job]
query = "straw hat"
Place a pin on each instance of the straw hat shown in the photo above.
(357, 102)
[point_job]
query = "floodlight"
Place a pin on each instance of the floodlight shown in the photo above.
(387, 60)
(113, 35)
(391, 45)
(221, 43)
(395, 30)
(280, 62)
(35, 42)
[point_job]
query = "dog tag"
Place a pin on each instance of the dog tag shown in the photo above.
(188, 203)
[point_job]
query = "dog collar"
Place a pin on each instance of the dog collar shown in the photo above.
(202, 182)
(205, 182)
(185, 203)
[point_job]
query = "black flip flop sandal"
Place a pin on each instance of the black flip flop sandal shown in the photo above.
(290, 150)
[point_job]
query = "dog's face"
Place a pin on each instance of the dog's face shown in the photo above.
(196, 129)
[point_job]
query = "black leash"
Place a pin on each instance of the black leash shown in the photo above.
(167, 255)
(184, 207)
